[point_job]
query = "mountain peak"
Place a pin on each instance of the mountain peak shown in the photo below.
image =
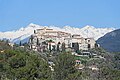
(87, 31)
(31, 25)
(88, 27)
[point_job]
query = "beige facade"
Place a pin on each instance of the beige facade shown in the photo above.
(46, 34)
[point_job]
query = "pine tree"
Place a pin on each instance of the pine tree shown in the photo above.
(64, 68)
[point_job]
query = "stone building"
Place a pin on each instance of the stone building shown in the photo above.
(46, 38)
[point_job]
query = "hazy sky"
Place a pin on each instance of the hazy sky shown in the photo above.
(78, 13)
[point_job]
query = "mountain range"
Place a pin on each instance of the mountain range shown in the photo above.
(24, 33)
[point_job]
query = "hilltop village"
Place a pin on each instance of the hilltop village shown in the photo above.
(46, 38)
(57, 55)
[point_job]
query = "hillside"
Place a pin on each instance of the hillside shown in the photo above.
(22, 64)
(111, 41)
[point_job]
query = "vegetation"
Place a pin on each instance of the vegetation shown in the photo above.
(23, 66)
(65, 67)
(18, 63)
(63, 46)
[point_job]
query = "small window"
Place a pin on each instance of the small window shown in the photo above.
(88, 40)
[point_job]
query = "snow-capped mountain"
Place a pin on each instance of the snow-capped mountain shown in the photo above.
(23, 33)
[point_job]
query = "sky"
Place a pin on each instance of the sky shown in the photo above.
(15, 14)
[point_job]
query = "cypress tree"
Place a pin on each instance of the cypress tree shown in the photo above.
(76, 47)
(20, 44)
(50, 47)
(63, 46)
(37, 41)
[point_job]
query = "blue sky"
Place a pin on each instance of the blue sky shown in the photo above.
(78, 13)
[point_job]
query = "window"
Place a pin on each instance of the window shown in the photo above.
(89, 46)
(88, 40)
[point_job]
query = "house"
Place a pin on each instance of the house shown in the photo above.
(78, 65)
(93, 67)
(74, 41)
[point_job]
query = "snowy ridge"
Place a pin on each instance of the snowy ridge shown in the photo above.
(86, 32)
(23, 33)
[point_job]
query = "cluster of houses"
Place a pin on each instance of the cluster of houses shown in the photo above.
(49, 39)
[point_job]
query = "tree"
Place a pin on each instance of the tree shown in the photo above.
(50, 49)
(117, 60)
(53, 47)
(4, 45)
(65, 67)
(58, 46)
(20, 44)
(7, 41)
(37, 41)
(63, 46)
(50, 41)
(76, 47)
(20, 65)
(31, 39)
(58, 49)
